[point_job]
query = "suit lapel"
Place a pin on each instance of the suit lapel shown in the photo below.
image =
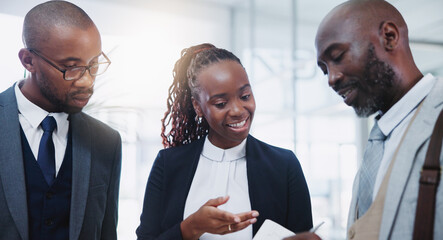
(353, 207)
(12, 171)
(81, 168)
(419, 132)
(252, 184)
(256, 182)
(186, 169)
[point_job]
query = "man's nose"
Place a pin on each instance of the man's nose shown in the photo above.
(86, 81)
(334, 77)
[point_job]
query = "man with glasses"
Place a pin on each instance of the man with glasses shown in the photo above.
(59, 167)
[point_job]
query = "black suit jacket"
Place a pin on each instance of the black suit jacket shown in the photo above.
(277, 189)
(96, 164)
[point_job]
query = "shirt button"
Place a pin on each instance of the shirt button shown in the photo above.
(49, 195)
(49, 222)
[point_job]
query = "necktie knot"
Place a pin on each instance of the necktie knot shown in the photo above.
(48, 124)
(376, 133)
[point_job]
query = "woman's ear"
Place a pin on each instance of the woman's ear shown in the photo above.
(389, 36)
(197, 107)
(27, 59)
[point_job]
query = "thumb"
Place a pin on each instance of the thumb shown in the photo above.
(215, 202)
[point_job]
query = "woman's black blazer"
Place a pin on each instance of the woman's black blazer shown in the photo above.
(277, 189)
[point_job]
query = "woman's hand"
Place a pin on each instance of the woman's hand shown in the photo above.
(210, 219)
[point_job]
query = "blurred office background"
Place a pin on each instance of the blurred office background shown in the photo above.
(275, 40)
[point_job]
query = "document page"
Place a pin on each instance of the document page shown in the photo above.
(271, 230)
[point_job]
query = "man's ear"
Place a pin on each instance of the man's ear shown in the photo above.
(197, 107)
(389, 36)
(27, 59)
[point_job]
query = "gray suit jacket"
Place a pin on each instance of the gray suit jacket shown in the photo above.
(402, 193)
(96, 164)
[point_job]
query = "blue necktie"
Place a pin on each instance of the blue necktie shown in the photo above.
(46, 151)
(369, 168)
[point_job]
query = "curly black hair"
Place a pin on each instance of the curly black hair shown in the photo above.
(180, 114)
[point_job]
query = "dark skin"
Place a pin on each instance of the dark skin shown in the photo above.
(66, 47)
(304, 236)
(226, 101)
(210, 219)
(342, 51)
(342, 42)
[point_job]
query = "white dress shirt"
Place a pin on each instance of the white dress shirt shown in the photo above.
(221, 172)
(30, 117)
(394, 122)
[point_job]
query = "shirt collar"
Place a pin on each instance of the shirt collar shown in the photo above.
(214, 153)
(395, 115)
(35, 115)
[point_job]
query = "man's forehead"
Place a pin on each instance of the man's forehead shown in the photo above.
(337, 27)
(74, 42)
(328, 33)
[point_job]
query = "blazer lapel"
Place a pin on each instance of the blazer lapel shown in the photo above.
(12, 171)
(81, 168)
(256, 182)
(419, 132)
(185, 168)
(353, 207)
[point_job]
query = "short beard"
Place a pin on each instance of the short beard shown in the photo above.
(380, 77)
(48, 91)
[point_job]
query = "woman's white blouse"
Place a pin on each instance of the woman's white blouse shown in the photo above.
(221, 172)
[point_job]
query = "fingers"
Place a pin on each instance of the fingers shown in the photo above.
(218, 221)
(247, 215)
(230, 228)
(220, 214)
(226, 217)
(242, 225)
(230, 218)
(215, 202)
(246, 219)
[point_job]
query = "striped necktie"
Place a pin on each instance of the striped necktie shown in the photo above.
(369, 169)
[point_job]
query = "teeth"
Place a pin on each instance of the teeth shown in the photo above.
(346, 93)
(237, 125)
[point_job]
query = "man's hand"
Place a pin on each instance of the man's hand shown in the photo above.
(304, 236)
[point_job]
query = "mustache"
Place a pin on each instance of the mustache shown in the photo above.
(83, 91)
(342, 85)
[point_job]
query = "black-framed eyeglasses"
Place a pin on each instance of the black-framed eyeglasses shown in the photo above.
(77, 72)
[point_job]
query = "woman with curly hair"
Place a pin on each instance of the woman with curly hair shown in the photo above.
(214, 180)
